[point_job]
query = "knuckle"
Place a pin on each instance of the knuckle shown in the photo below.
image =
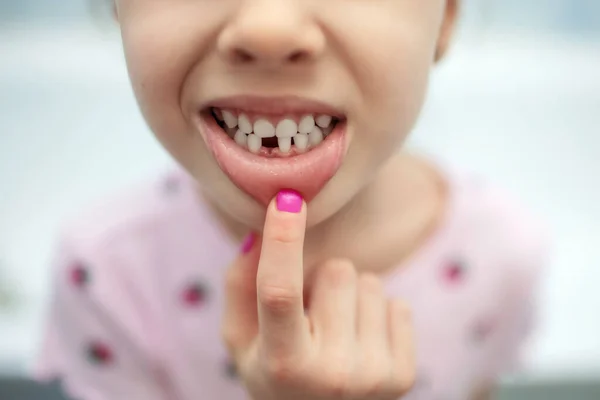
(405, 381)
(278, 299)
(337, 375)
(285, 233)
(370, 282)
(375, 376)
(372, 386)
(396, 389)
(230, 337)
(337, 382)
(281, 370)
(410, 380)
(402, 310)
(340, 271)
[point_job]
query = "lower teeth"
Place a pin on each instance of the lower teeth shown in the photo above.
(285, 144)
(254, 143)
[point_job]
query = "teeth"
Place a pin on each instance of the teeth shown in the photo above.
(286, 128)
(244, 124)
(264, 129)
(323, 121)
(254, 143)
(307, 123)
(241, 138)
(301, 142)
(230, 120)
(315, 137)
(285, 144)
(309, 132)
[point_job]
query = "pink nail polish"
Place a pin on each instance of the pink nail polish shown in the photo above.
(289, 201)
(248, 243)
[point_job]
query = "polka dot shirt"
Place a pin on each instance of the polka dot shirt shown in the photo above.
(138, 296)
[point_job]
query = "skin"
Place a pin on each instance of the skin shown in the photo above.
(182, 54)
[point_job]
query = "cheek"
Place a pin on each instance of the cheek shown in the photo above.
(392, 60)
(393, 79)
(390, 56)
(404, 85)
(396, 72)
(159, 57)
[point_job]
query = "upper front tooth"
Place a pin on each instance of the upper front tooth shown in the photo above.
(323, 120)
(254, 143)
(244, 124)
(264, 129)
(286, 128)
(307, 123)
(230, 120)
(315, 137)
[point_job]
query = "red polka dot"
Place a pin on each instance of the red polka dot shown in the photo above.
(100, 353)
(171, 185)
(79, 275)
(454, 272)
(422, 384)
(482, 330)
(231, 369)
(195, 295)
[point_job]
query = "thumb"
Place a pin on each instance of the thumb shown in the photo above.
(240, 319)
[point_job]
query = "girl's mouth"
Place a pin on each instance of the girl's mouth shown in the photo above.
(275, 136)
(266, 145)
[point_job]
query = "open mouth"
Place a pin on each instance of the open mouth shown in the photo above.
(274, 136)
(266, 145)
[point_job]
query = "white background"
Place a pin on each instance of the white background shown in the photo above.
(523, 109)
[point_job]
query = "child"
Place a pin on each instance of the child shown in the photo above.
(287, 118)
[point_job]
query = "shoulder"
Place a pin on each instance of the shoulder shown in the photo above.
(104, 280)
(129, 214)
(502, 228)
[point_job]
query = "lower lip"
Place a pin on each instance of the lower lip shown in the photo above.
(262, 177)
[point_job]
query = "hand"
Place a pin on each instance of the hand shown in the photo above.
(351, 343)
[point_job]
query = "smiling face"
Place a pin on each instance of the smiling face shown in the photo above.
(252, 96)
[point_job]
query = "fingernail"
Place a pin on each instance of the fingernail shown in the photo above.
(289, 201)
(248, 243)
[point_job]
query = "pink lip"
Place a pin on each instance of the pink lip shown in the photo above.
(275, 105)
(262, 177)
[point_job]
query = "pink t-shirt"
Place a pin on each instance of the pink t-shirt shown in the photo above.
(138, 295)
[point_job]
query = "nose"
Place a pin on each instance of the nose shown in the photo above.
(270, 33)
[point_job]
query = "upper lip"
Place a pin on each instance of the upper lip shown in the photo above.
(274, 105)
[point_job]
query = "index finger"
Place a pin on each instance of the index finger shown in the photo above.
(280, 279)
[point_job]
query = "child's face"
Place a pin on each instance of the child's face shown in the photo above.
(367, 60)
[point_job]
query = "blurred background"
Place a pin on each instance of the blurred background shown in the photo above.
(518, 100)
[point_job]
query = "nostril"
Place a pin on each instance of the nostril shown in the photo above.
(298, 56)
(242, 56)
